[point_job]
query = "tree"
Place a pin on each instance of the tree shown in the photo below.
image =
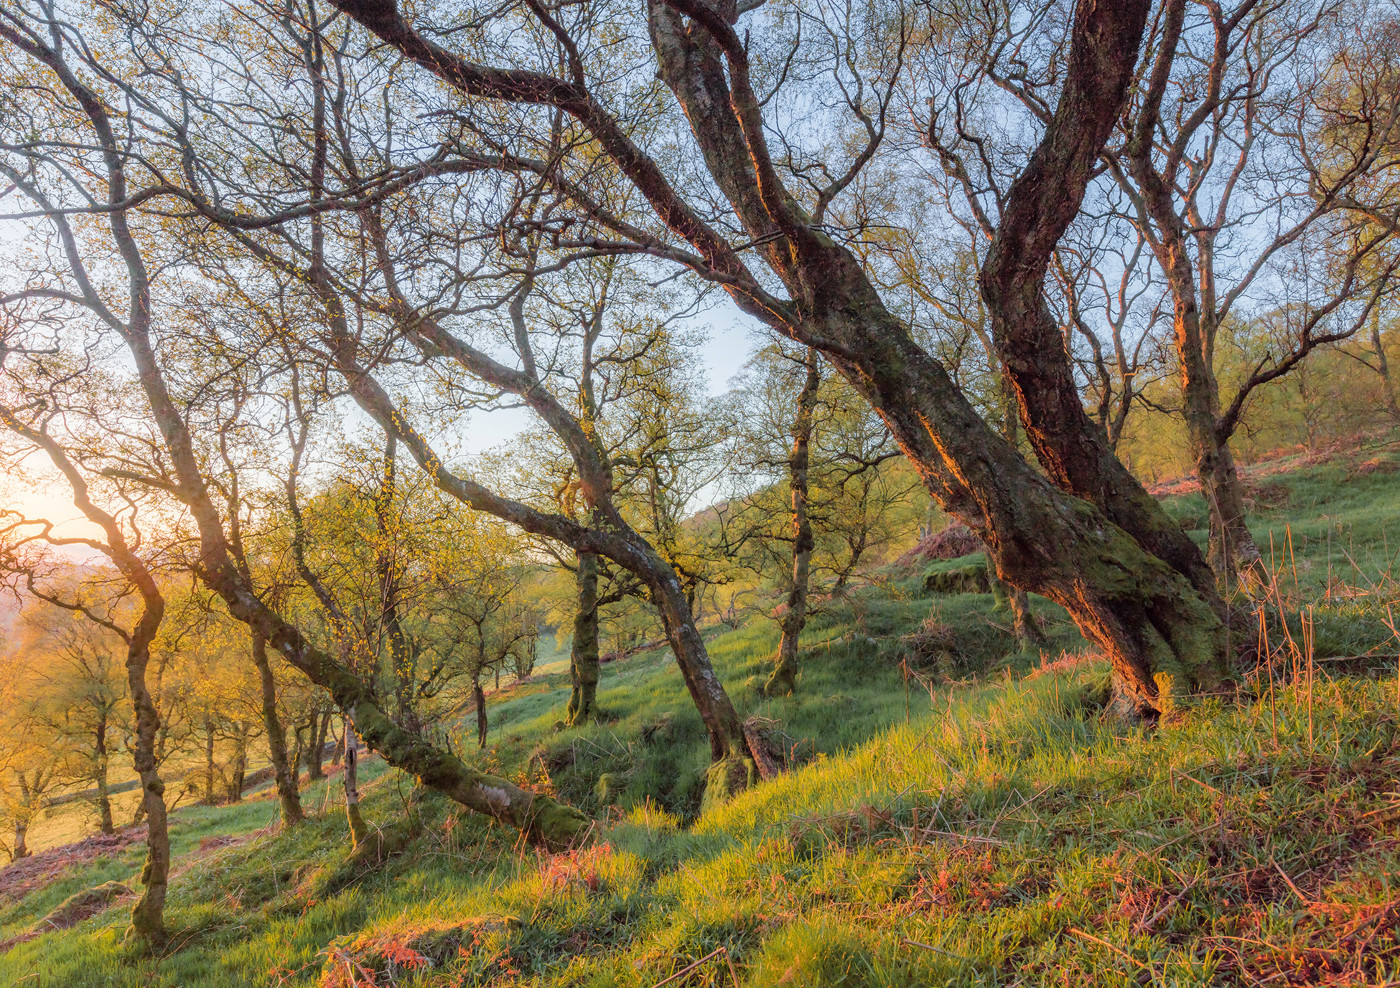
(136, 625)
(1221, 160)
(74, 676)
(814, 495)
(1166, 617)
(104, 155)
(29, 774)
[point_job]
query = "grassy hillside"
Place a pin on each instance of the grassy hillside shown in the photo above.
(973, 822)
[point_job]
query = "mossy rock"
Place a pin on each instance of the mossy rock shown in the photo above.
(81, 905)
(971, 578)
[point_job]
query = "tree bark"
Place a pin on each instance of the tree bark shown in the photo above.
(583, 652)
(21, 848)
(104, 798)
(209, 798)
(316, 752)
(1039, 206)
(1392, 406)
(1232, 551)
(148, 912)
(358, 830)
(481, 724)
(783, 679)
(1145, 596)
(283, 770)
(238, 771)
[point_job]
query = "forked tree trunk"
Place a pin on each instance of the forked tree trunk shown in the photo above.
(583, 653)
(1039, 206)
(283, 770)
(1127, 574)
(784, 677)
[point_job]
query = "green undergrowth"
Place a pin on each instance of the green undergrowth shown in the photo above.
(973, 821)
(1004, 835)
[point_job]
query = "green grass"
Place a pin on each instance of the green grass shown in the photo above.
(987, 827)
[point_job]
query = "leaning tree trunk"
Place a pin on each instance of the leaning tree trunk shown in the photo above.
(733, 766)
(283, 769)
(1038, 208)
(784, 677)
(583, 653)
(1127, 574)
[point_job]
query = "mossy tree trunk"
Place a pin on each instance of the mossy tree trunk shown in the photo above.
(358, 830)
(283, 768)
(584, 662)
(783, 679)
(1133, 582)
(148, 912)
(101, 764)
